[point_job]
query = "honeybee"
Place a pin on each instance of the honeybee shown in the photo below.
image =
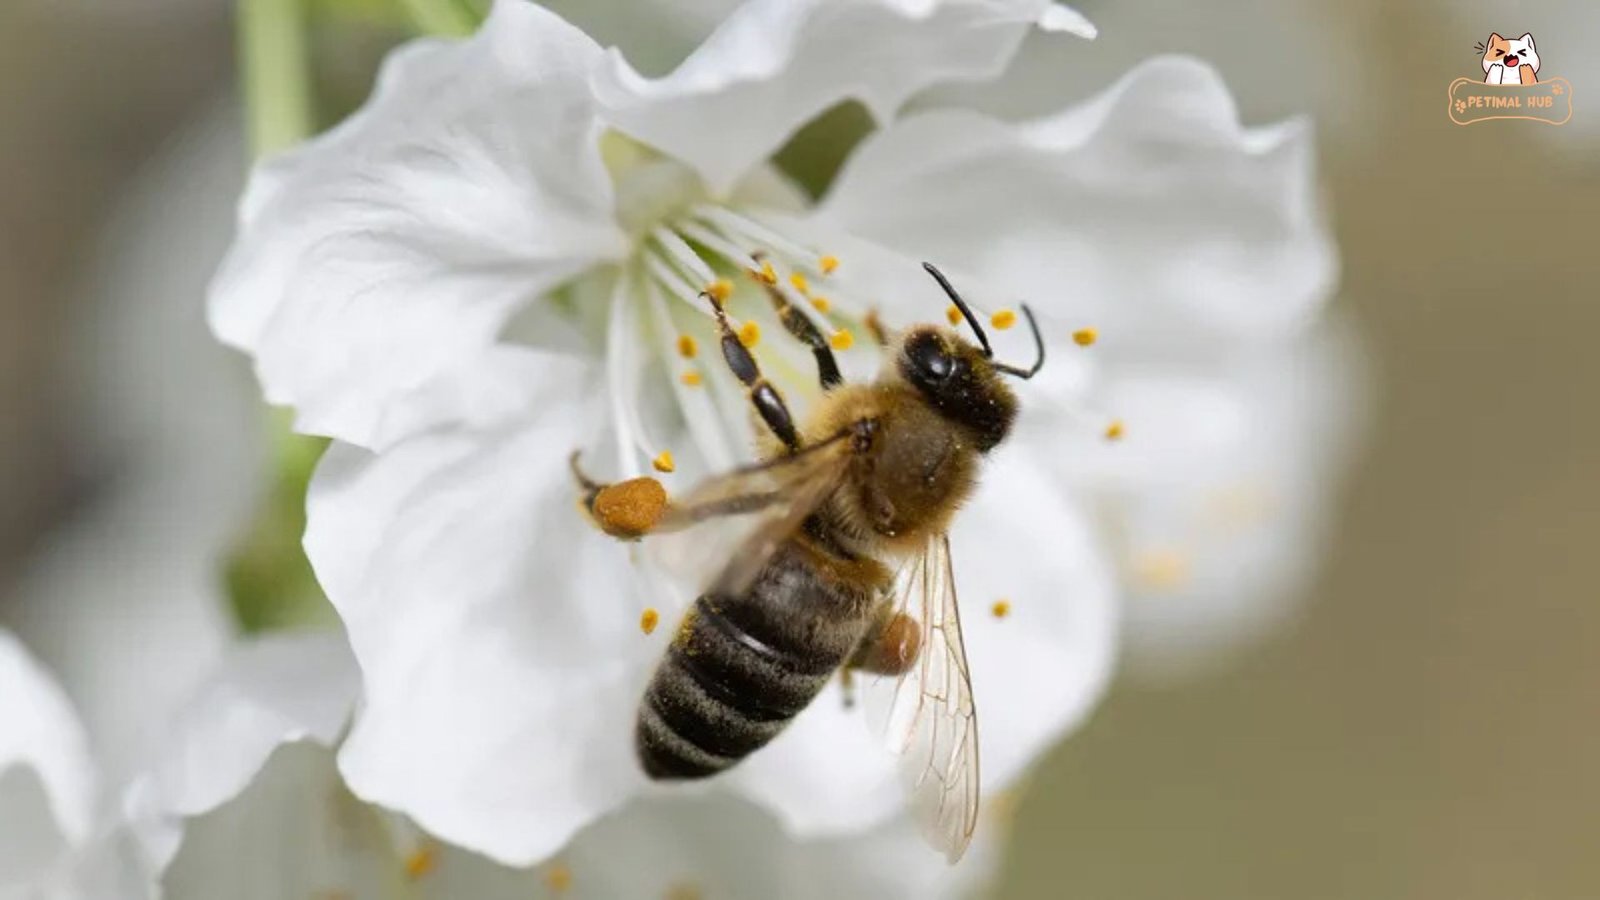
(843, 563)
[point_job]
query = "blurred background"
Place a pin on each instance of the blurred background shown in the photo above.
(1427, 727)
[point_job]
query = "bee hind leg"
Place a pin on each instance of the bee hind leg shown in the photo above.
(627, 510)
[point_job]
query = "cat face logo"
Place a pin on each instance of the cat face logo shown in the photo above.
(1510, 61)
(1510, 88)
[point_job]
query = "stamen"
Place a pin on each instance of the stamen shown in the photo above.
(1001, 608)
(663, 462)
(698, 412)
(766, 273)
(721, 289)
(421, 861)
(828, 263)
(736, 227)
(621, 352)
(683, 254)
(715, 242)
(675, 283)
(821, 304)
(749, 334)
(687, 347)
(1084, 337)
(800, 283)
(1159, 569)
(649, 619)
(1114, 430)
(842, 339)
(558, 878)
(691, 378)
(1003, 319)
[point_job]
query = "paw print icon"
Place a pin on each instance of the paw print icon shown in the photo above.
(1556, 90)
(1461, 106)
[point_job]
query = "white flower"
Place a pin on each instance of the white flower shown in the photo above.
(495, 261)
(246, 803)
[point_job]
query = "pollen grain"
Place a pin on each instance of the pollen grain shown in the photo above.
(663, 462)
(1001, 608)
(749, 334)
(828, 263)
(1115, 430)
(1003, 319)
(1085, 337)
(687, 348)
(649, 619)
(421, 861)
(842, 339)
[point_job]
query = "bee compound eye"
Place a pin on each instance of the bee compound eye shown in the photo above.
(932, 361)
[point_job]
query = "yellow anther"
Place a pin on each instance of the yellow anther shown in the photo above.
(749, 334)
(421, 862)
(663, 461)
(821, 304)
(1159, 569)
(1001, 608)
(767, 273)
(828, 263)
(649, 619)
(1114, 430)
(690, 378)
(720, 290)
(953, 315)
(687, 348)
(1003, 319)
(800, 283)
(842, 339)
(558, 878)
(1083, 337)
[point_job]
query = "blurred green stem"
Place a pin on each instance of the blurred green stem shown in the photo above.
(277, 73)
(447, 18)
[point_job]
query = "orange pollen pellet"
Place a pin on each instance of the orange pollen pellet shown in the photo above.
(690, 378)
(649, 619)
(1001, 609)
(629, 509)
(821, 304)
(799, 282)
(1085, 336)
(687, 348)
(721, 289)
(1003, 319)
(842, 339)
(420, 863)
(827, 264)
(953, 315)
(749, 334)
(1114, 430)
(663, 462)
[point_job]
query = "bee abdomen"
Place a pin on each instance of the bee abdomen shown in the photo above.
(738, 671)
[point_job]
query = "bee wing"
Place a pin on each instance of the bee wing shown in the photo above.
(724, 530)
(927, 715)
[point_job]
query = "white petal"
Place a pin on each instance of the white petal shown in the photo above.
(398, 245)
(1147, 212)
(496, 629)
(267, 693)
(775, 64)
(47, 778)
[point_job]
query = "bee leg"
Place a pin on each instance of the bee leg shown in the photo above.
(626, 509)
(890, 646)
(795, 322)
(763, 395)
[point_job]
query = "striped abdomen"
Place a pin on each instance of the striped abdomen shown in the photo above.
(741, 666)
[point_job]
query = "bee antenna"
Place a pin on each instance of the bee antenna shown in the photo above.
(966, 311)
(1038, 347)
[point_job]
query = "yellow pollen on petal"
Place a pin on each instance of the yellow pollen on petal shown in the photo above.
(663, 462)
(1003, 319)
(953, 315)
(828, 263)
(558, 878)
(1114, 430)
(421, 861)
(649, 619)
(1084, 337)
(690, 378)
(842, 339)
(720, 290)
(1001, 608)
(821, 304)
(687, 348)
(800, 283)
(749, 334)
(1159, 569)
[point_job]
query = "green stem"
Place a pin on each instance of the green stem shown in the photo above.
(447, 18)
(277, 73)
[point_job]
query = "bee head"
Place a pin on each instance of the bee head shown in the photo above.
(958, 381)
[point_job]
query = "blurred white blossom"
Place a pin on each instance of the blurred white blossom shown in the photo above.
(498, 260)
